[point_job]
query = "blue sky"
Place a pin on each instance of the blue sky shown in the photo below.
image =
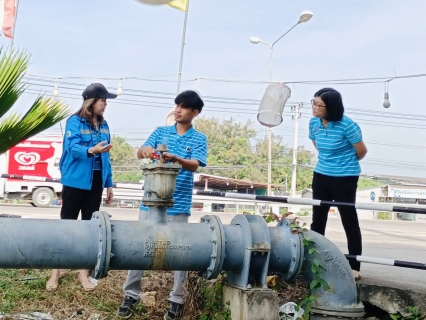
(105, 40)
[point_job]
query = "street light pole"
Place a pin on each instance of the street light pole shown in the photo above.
(271, 50)
(304, 17)
(170, 117)
(295, 144)
(269, 133)
(182, 47)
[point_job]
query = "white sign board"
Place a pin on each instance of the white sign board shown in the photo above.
(407, 193)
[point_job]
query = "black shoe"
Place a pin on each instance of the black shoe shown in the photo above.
(126, 308)
(174, 312)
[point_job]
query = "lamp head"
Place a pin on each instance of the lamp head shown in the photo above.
(254, 40)
(305, 16)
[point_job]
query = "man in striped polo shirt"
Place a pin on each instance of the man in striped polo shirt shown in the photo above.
(188, 147)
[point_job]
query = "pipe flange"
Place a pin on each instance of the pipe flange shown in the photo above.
(352, 312)
(101, 218)
(297, 252)
(162, 167)
(239, 278)
(152, 199)
(218, 242)
(157, 203)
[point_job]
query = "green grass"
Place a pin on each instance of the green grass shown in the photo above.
(19, 286)
(24, 292)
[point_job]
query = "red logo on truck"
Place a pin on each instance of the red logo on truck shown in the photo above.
(36, 158)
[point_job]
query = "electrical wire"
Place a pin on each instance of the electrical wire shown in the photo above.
(236, 109)
(233, 101)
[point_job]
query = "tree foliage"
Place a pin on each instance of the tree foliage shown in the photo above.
(367, 183)
(124, 162)
(236, 151)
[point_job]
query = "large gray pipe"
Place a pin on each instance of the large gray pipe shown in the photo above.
(247, 249)
(43, 244)
(341, 299)
(46, 244)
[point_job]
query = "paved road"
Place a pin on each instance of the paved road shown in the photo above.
(127, 214)
(400, 240)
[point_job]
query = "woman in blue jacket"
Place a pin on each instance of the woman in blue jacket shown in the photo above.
(85, 165)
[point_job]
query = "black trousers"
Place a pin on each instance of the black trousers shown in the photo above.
(88, 201)
(338, 189)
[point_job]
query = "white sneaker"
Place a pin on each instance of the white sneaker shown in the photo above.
(356, 274)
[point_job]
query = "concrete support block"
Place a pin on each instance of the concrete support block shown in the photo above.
(251, 304)
(392, 300)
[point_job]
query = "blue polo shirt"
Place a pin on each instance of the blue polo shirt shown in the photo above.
(337, 155)
(192, 145)
(96, 137)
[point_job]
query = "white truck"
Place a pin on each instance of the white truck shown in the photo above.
(29, 169)
(30, 172)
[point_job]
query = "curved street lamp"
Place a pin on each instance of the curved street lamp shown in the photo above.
(305, 16)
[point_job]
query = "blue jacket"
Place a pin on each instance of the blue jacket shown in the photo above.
(76, 167)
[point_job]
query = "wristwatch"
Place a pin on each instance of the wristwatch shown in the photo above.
(90, 153)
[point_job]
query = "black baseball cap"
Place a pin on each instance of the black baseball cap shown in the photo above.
(97, 90)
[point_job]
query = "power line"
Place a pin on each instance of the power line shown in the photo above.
(333, 81)
(387, 124)
(198, 77)
(208, 109)
(251, 102)
(226, 99)
(220, 100)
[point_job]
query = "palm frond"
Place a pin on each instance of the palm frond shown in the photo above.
(13, 65)
(44, 113)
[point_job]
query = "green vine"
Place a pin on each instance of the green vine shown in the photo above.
(317, 268)
(414, 314)
(213, 305)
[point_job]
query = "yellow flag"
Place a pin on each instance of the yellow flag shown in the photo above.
(178, 4)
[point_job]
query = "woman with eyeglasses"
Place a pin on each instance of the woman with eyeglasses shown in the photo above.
(338, 140)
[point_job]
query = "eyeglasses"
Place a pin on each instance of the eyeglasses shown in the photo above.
(316, 105)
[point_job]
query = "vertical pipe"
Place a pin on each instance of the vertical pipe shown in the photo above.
(157, 214)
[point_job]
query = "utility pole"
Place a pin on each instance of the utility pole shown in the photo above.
(182, 47)
(269, 132)
(269, 161)
(296, 117)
